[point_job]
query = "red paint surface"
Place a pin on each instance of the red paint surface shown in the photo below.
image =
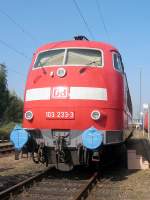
(146, 121)
(113, 110)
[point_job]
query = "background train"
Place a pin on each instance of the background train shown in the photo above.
(76, 102)
(146, 122)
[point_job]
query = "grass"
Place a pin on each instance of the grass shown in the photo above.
(5, 130)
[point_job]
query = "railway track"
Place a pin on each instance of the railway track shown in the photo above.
(52, 184)
(6, 148)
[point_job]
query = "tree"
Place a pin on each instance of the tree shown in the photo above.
(3, 90)
(14, 109)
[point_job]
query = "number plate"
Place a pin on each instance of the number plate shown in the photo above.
(60, 115)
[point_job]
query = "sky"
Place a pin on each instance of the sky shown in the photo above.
(27, 24)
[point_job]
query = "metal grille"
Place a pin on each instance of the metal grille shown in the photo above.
(114, 137)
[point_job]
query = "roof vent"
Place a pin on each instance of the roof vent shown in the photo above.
(80, 37)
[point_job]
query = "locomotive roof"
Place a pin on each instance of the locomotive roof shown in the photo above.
(76, 43)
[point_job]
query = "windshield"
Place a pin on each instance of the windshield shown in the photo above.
(83, 57)
(72, 56)
(48, 58)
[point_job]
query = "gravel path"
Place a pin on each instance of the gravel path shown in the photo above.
(124, 184)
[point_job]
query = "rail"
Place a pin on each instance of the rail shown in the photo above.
(74, 189)
(6, 148)
(86, 189)
(7, 193)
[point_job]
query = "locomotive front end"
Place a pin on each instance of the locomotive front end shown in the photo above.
(70, 105)
(60, 111)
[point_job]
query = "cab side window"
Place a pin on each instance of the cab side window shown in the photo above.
(117, 62)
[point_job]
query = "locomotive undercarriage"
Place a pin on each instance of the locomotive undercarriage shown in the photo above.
(63, 148)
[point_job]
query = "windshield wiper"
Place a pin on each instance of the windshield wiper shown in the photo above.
(41, 66)
(83, 69)
(93, 62)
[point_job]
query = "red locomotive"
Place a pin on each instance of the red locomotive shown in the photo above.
(76, 102)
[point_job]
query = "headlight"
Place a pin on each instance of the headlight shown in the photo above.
(95, 115)
(28, 115)
(61, 72)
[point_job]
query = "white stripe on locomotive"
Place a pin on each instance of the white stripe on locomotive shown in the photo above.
(84, 93)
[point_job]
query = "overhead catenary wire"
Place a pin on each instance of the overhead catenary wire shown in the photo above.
(102, 19)
(16, 72)
(28, 34)
(83, 19)
(18, 52)
(13, 49)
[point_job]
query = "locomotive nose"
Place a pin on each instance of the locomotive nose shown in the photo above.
(92, 138)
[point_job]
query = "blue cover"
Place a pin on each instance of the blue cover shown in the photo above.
(19, 137)
(92, 138)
